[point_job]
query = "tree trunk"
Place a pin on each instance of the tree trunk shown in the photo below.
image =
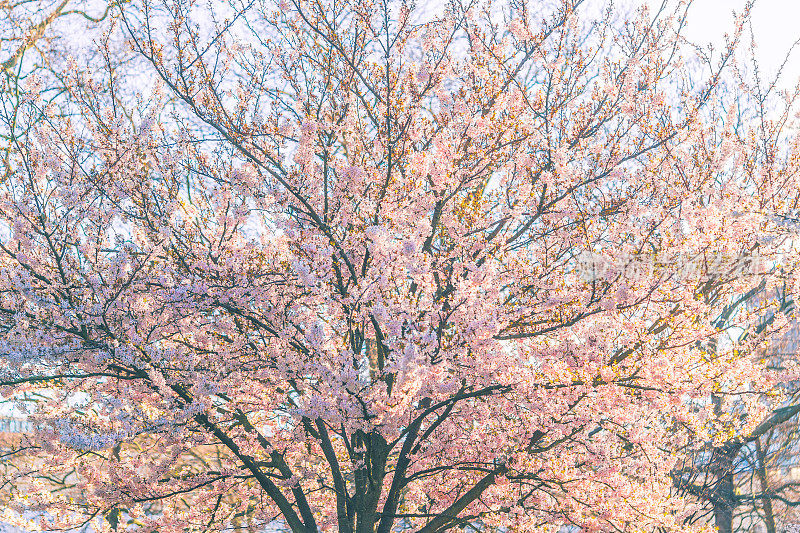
(724, 502)
(766, 499)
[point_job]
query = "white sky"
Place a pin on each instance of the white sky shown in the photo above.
(776, 25)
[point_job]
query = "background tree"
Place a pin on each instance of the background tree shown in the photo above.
(748, 480)
(341, 248)
(744, 478)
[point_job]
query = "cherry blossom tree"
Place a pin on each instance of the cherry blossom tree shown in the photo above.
(364, 266)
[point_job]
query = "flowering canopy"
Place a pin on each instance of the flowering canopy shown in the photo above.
(328, 270)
